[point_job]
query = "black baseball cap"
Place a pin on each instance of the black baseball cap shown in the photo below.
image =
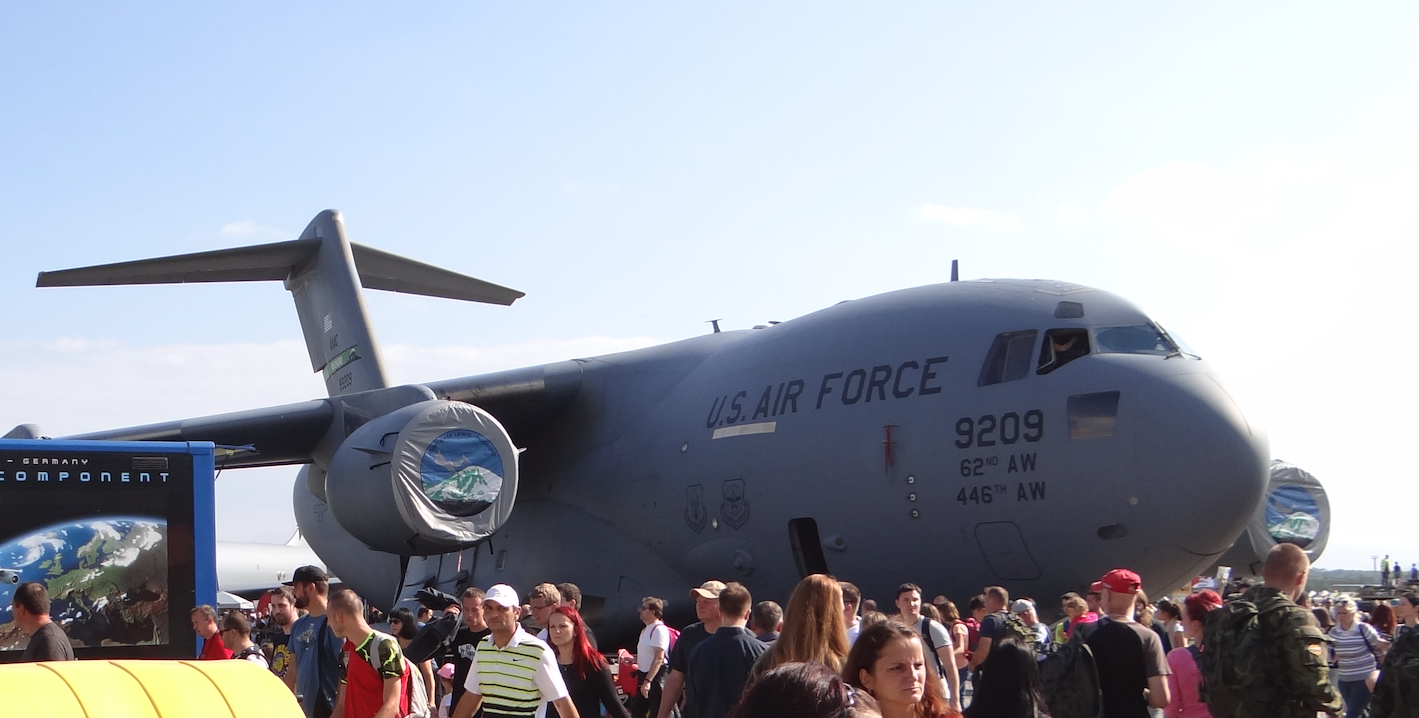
(307, 574)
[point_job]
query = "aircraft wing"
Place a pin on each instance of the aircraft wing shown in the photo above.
(258, 437)
(524, 400)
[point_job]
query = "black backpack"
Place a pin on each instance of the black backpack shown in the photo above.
(925, 629)
(1070, 679)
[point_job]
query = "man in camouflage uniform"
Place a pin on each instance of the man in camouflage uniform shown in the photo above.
(1295, 662)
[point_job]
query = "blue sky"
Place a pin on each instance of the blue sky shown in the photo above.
(1246, 174)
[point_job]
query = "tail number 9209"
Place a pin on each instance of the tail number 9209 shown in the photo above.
(1008, 428)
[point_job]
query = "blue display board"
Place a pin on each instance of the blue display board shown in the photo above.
(122, 535)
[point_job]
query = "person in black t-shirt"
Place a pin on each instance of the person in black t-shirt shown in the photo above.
(992, 626)
(464, 645)
(707, 610)
(1133, 670)
(719, 666)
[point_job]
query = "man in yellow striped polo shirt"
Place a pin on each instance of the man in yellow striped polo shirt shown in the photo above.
(514, 675)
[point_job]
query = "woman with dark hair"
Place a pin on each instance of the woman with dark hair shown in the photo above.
(1171, 615)
(1383, 619)
(803, 690)
(960, 637)
(586, 673)
(889, 663)
(1322, 618)
(1009, 684)
(813, 628)
(404, 627)
(1183, 683)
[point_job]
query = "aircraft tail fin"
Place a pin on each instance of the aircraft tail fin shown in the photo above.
(325, 274)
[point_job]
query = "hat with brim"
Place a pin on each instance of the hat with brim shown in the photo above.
(1122, 580)
(708, 589)
(307, 574)
(503, 595)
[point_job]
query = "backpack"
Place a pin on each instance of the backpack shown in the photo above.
(674, 636)
(252, 650)
(1233, 661)
(972, 635)
(413, 692)
(1016, 629)
(626, 672)
(1397, 692)
(925, 629)
(1070, 681)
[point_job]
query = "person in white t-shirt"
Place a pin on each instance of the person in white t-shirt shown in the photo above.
(851, 599)
(652, 653)
(934, 635)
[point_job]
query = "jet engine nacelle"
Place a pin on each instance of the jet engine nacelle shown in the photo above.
(429, 478)
(1296, 510)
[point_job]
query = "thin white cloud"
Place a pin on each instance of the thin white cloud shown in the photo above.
(983, 220)
(248, 230)
(75, 385)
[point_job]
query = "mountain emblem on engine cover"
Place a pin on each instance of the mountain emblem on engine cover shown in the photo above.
(461, 472)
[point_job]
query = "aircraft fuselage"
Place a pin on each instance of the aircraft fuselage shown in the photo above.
(870, 419)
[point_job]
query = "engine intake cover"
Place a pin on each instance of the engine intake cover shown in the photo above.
(432, 477)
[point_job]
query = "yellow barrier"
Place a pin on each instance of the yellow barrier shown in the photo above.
(144, 689)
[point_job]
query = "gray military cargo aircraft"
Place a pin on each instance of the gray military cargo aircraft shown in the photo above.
(1023, 432)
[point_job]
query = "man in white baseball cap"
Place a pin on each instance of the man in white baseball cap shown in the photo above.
(523, 672)
(1025, 609)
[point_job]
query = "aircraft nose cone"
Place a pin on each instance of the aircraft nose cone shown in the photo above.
(1202, 465)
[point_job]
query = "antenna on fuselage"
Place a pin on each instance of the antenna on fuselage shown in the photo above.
(714, 323)
(955, 274)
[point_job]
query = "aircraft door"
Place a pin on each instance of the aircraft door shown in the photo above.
(1005, 551)
(807, 547)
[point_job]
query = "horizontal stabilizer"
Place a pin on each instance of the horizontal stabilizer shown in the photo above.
(392, 273)
(277, 261)
(262, 262)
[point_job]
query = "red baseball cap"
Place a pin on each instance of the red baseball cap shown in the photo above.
(1121, 580)
(1096, 587)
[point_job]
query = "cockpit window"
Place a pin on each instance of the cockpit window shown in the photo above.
(1137, 339)
(1009, 357)
(1062, 346)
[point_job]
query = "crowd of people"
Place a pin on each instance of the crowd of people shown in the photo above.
(1261, 651)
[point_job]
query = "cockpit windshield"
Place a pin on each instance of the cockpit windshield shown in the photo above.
(1136, 339)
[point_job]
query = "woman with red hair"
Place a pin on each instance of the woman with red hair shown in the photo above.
(1183, 683)
(586, 673)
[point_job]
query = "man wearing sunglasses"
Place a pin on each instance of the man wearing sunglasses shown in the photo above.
(236, 636)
